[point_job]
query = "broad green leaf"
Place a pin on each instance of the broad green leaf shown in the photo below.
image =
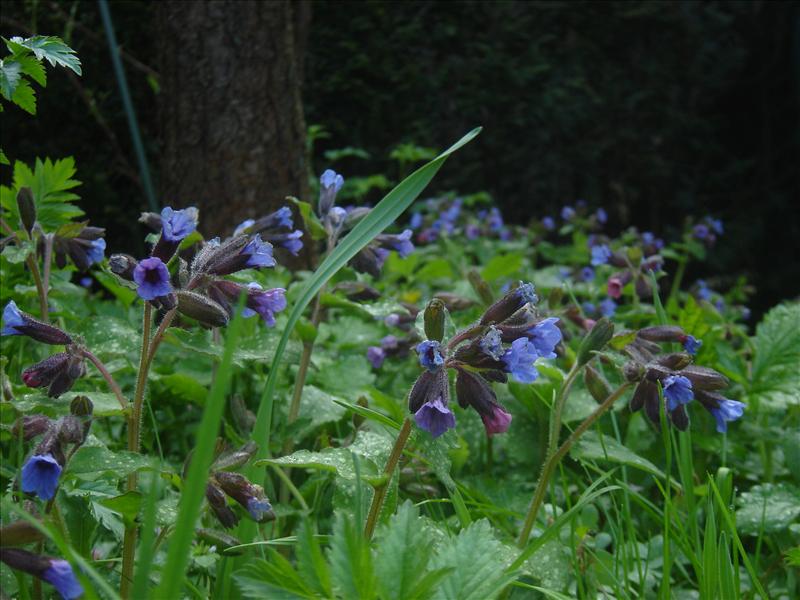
(10, 74)
(590, 447)
(310, 219)
(502, 266)
(25, 97)
(767, 507)
(33, 68)
(777, 354)
(53, 49)
(478, 564)
(99, 460)
(126, 504)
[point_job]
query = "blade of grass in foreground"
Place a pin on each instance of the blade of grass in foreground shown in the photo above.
(180, 541)
(378, 219)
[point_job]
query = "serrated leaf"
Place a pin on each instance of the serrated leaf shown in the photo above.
(352, 574)
(52, 49)
(777, 353)
(311, 562)
(478, 565)
(10, 76)
(258, 579)
(767, 507)
(34, 69)
(25, 97)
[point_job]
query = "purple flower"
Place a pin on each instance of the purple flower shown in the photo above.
(177, 224)
(472, 231)
(545, 336)
(588, 308)
(330, 182)
(289, 241)
(281, 218)
(389, 342)
(608, 308)
(430, 356)
(61, 577)
(519, 360)
(258, 508)
(96, 251)
(703, 291)
(495, 220)
(492, 344)
(242, 227)
(691, 344)
(549, 223)
(392, 320)
(152, 277)
(602, 216)
(567, 213)
(715, 224)
(700, 231)
(258, 253)
(416, 221)
(587, 274)
(264, 302)
(434, 417)
(497, 421)
(505, 234)
(677, 391)
(400, 243)
(728, 410)
(600, 255)
(376, 356)
(12, 320)
(40, 475)
(85, 282)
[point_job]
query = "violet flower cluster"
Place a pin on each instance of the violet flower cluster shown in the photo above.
(507, 341)
(445, 218)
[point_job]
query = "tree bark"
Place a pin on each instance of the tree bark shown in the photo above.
(233, 129)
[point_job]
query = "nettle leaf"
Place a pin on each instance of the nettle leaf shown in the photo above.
(590, 447)
(768, 508)
(33, 68)
(52, 49)
(478, 562)
(777, 354)
(350, 558)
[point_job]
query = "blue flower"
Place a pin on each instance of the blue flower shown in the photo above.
(60, 575)
(587, 274)
(289, 241)
(545, 336)
(519, 360)
(472, 231)
(434, 417)
(715, 224)
(390, 342)
(416, 221)
(600, 255)
(677, 391)
(430, 356)
(85, 282)
(728, 410)
(242, 227)
(567, 213)
(12, 318)
(177, 224)
(40, 475)
(282, 217)
(691, 344)
(392, 320)
(258, 252)
(376, 355)
(330, 182)
(264, 302)
(400, 243)
(96, 251)
(549, 223)
(588, 308)
(495, 220)
(703, 291)
(700, 231)
(258, 508)
(492, 344)
(608, 308)
(602, 216)
(152, 277)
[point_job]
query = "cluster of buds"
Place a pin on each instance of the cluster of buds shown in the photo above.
(445, 217)
(55, 571)
(507, 341)
(275, 228)
(223, 483)
(580, 214)
(203, 294)
(680, 381)
(57, 372)
(41, 472)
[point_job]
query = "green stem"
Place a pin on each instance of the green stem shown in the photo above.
(676, 282)
(291, 487)
(107, 376)
(134, 424)
(48, 261)
(383, 488)
(552, 462)
(37, 279)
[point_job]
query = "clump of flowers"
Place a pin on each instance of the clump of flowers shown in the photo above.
(506, 342)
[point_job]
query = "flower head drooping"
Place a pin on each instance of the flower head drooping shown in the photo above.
(691, 344)
(243, 227)
(13, 320)
(722, 409)
(430, 355)
(435, 417)
(40, 476)
(264, 302)
(519, 360)
(152, 277)
(600, 255)
(16, 322)
(258, 508)
(400, 243)
(677, 391)
(289, 241)
(96, 251)
(61, 577)
(258, 253)
(376, 355)
(176, 225)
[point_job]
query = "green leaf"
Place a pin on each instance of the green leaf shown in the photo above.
(590, 447)
(310, 219)
(127, 505)
(438, 268)
(777, 354)
(10, 76)
(311, 562)
(261, 579)
(34, 69)
(97, 459)
(767, 507)
(3, 158)
(478, 565)
(25, 97)
(53, 49)
(501, 266)
(352, 574)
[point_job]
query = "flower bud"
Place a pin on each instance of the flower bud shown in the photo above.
(705, 379)
(81, 406)
(454, 302)
(221, 540)
(20, 533)
(675, 361)
(236, 458)
(201, 308)
(72, 430)
(250, 496)
(27, 208)
(31, 426)
(662, 333)
(16, 322)
(219, 504)
(509, 304)
(595, 340)
(434, 318)
(597, 385)
(44, 372)
(122, 265)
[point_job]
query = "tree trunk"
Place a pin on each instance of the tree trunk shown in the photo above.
(233, 130)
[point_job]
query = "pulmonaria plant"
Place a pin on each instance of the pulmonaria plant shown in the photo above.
(507, 341)
(680, 381)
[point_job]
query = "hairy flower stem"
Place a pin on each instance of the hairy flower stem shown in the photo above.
(37, 279)
(388, 472)
(134, 423)
(48, 262)
(552, 462)
(107, 376)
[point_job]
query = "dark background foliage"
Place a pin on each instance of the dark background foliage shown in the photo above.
(656, 110)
